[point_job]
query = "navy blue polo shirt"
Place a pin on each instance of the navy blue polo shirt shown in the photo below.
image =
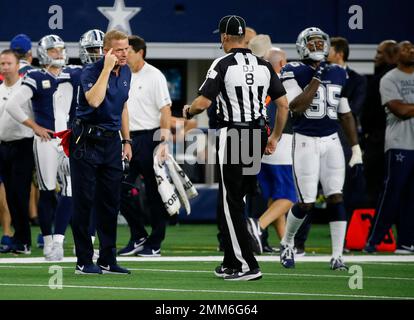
(108, 115)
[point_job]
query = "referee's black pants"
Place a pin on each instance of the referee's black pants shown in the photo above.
(142, 162)
(234, 184)
(96, 174)
(17, 166)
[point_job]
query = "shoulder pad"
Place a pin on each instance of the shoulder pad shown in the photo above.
(290, 70)
(34, 74)
(33, 71)
(72, 67)
(337, 69)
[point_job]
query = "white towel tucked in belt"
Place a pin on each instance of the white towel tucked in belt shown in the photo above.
(166, 188)
(174, 186)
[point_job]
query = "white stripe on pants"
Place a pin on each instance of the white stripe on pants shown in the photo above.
(232, 232)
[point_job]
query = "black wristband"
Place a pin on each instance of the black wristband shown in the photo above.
(124, 141)
(189, 115)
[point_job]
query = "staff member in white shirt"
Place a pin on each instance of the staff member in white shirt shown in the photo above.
(16, 152)
(149, 107)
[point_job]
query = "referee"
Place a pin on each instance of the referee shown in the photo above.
(239, 83)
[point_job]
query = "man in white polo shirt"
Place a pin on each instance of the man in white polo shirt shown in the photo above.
(16, 156)
(149, 107)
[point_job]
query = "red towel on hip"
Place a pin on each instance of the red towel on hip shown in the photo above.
(65, 136)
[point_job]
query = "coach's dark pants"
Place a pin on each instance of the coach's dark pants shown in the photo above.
(142, 162)
(17, 166)
(96, 171)
(396, 204)
(234, 184)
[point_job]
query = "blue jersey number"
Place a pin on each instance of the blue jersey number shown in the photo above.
(325, 102)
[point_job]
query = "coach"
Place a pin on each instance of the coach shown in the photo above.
(239, 82)
(96, 154)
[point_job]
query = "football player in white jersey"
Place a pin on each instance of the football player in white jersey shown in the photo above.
(51, 100)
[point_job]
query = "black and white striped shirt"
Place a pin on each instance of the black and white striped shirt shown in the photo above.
(239, 83)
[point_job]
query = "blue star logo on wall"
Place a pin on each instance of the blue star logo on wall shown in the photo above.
(399, 157)
(119, 16)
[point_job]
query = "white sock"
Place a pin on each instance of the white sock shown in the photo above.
(48, 240)
(58, 238)
(93, 239)
(292, 226)
(338, 230)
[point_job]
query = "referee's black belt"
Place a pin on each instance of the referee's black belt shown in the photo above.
(95, 130)
(258, 123)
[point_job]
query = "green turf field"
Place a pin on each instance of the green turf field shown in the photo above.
(194, 280)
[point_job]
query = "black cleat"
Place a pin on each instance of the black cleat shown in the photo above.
(113, 269)
(338, 264)
(287, 256)
(222, 272)
(88, 269)
(244, 276)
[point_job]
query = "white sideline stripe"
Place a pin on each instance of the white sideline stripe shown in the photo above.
(279, 274)
(274, 258)
(206, 271)
(214, 291)
(389, 263)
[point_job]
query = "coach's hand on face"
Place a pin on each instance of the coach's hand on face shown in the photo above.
(110, 60)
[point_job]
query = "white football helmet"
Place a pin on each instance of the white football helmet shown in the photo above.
(49, 42)
(91, 46)
(307, 36)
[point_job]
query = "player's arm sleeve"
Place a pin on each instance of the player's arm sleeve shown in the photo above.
(292, 89)
(389, 91)
(276, 88)
(211, 86)
(290, 84)
(162, 95)
(30, 82)
(15, 106)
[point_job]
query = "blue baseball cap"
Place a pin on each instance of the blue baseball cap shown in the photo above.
(21, 43)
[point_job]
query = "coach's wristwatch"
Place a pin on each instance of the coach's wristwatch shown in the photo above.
(124, 141)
